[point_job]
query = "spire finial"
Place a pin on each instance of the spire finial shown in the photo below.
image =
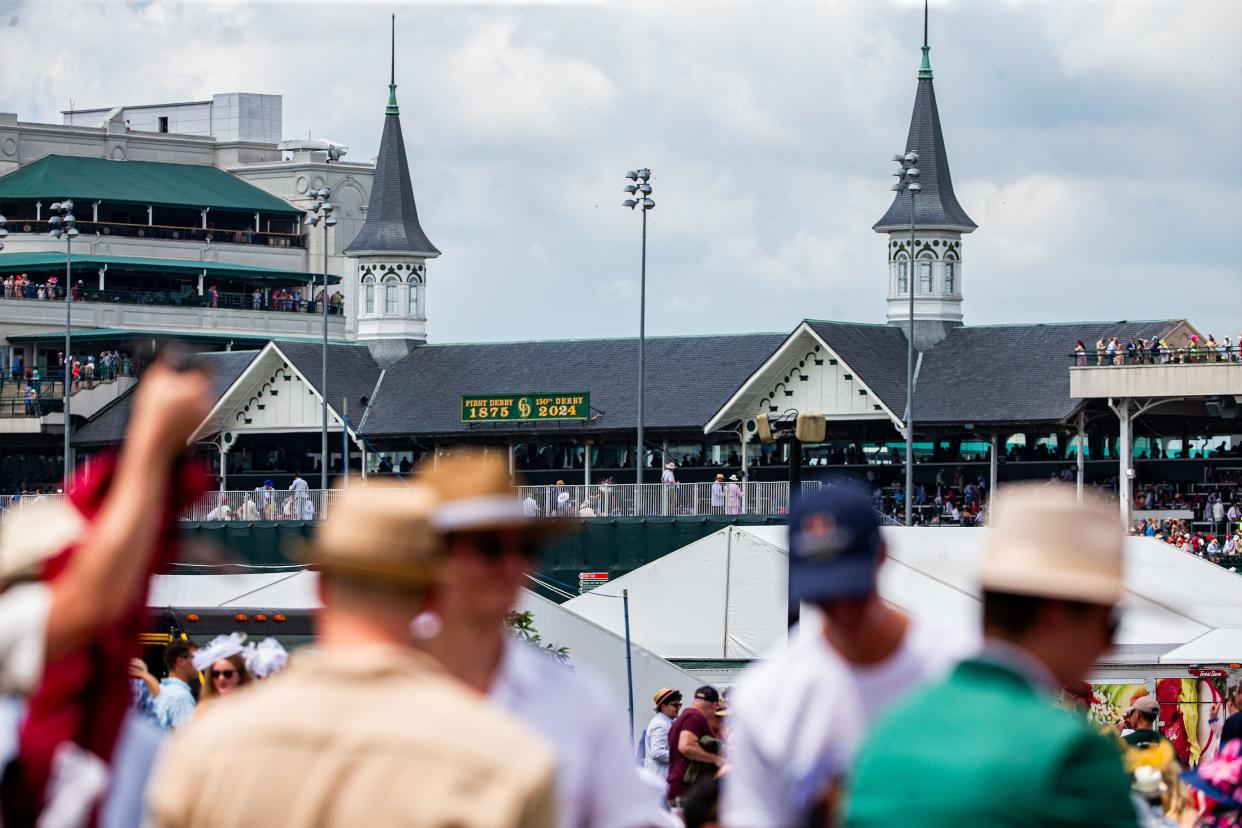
(925, 72)
(392, 78)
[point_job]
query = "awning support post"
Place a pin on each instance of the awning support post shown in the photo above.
(204, 212)
(150, 216)
(256, 222)
(1121, 408)
(586, 464)
(201, 276)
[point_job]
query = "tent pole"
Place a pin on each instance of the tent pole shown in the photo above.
(629, 665)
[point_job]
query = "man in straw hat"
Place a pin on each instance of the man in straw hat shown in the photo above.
(490, 548)
(368, 731)
(988, 745)
(653, 752)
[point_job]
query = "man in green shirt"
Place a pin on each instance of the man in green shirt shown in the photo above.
(988, 746)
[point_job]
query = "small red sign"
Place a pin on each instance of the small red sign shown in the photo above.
(592, 576)
(1201, 672)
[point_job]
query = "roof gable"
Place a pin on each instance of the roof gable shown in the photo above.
(138, 182)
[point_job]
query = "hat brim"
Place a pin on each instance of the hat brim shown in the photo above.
(846, 578)
(1194, 780)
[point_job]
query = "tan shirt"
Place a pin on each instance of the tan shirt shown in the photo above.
(377, 736)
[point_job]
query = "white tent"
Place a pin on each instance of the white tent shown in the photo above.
(725, 595)
(590, 645)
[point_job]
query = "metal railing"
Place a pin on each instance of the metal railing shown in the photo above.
(188, 299)
(597, 500)
(166, 232)
(1153, 355)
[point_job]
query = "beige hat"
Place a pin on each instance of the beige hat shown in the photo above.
(474, 494)
(33, 532)
(1045, 543)
(380, 532)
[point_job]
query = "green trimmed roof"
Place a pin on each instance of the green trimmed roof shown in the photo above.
(22, 262)
(138, 182)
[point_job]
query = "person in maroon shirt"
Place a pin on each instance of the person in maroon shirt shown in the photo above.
(683, 740)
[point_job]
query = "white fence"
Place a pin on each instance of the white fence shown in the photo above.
(599, 500)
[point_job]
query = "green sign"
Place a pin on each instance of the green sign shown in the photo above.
(526, 407)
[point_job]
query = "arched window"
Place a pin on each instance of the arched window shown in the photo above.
(925, 274)
(413, 287)
(390, 295)
(903, 275)
(950, 276)
(368, 293)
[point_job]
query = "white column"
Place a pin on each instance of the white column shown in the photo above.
(95, 212)
(1082, 416)
(204, 215)
(512, 461)
(150, 216)
(102, 271)
(202, 275)
(1124, 489)
(38, 211)
(586, 464)
(256, 222)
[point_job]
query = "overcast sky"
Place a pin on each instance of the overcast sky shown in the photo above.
(1094, 143)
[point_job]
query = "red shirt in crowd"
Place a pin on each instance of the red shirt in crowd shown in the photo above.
(695, 722)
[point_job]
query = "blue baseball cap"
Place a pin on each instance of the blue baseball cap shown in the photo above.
(834, 545)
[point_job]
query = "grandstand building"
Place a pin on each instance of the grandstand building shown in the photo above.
(992, 401)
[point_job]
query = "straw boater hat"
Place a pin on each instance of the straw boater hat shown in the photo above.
(1044, 543)
(474, 494)
(381, 532)
(720, 477)
(670, 465)
(665, 695)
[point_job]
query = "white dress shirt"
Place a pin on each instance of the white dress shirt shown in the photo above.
(597, 783)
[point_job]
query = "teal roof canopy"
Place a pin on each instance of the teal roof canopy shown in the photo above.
(23, 262)
(138, 182)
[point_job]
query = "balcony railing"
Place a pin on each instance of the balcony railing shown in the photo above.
(164, 232)
(182, 299)
(1202, 354)
(607, 500)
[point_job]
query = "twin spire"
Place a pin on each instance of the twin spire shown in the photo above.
(392, 223)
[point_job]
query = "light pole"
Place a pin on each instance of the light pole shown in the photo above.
(320, 204)
(64, 226)
(908, 180)
(640, 192)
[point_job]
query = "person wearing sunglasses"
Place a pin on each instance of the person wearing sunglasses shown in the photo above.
(223, 666)
(490, 548)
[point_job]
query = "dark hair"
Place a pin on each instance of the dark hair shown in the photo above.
(181, 648)
(1015, 615)
(707, 693)
(701, 803)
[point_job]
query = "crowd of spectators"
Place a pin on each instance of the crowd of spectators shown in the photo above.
(288, 300)
(1143, 351)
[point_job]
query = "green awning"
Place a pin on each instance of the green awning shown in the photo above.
(45, 261)
(138, 182)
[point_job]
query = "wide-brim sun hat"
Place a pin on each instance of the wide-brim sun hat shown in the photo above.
(1045, 543)
(474, 494)
(379, 532)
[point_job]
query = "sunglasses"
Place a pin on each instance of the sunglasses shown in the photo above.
(225, 674)
(494, 546)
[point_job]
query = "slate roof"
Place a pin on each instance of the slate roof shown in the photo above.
(688, 379)
(876, 353)
(392, 216)
(936, 205)
(137, 182)
(352, 373)
(1010, 373)
(107, 427)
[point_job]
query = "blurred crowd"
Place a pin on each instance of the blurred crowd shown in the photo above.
(415, 706)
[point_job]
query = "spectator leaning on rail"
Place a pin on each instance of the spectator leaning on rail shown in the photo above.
(368, 731)
(490, 548)
(989, 745)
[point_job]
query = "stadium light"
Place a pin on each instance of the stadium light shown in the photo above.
(322, 212)
(908, 181)
(640, 193)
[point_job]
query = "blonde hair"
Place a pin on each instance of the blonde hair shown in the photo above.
(209, 684)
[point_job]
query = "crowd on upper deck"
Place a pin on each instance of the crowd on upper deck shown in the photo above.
(1156, 351)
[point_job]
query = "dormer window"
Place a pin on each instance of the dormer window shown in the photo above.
(950, 277)
(903, 276)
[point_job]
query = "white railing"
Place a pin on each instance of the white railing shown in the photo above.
(597, 500)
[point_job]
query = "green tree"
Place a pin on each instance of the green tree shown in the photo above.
(521, 626)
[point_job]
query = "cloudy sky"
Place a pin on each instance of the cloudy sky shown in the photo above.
(1094, 143)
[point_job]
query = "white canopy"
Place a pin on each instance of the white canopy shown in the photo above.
(725, 596)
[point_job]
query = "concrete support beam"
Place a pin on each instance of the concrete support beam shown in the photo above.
(993, 473)
(1082, 417)
(1124, 457)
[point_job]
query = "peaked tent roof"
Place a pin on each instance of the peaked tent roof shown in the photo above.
(392, 216)
(138, 182)
(936, 205)
(688, 379)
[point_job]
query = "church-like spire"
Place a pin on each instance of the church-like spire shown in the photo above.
(936, 205)
(392, 216)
